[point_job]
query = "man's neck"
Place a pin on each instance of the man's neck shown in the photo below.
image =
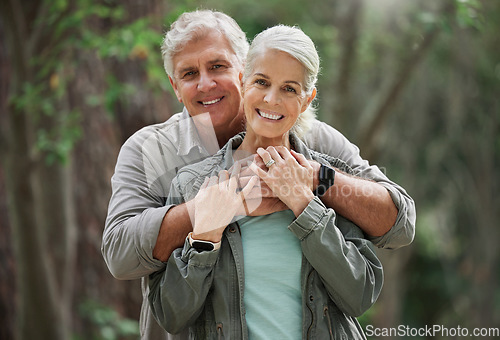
(214, 138)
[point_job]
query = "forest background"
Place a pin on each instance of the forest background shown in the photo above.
(414, 83)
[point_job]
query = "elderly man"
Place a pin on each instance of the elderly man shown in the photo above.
(204, 53)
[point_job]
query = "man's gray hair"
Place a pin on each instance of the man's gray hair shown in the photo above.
(196, 25)
(295, 42)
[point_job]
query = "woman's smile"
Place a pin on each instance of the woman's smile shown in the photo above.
(270, 115)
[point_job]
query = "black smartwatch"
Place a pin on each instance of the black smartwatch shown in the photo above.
(326, 179)
(200, 245)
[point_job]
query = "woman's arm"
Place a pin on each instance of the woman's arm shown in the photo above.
(346, 262)
(334, 246)
(177, 294)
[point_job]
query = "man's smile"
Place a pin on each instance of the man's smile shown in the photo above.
(210, 102)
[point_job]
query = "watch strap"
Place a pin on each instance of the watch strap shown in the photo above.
(201, 245)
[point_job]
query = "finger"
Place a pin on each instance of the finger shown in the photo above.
(265, 155)
(213, 181)
(233, 184)
(236, 169)
(284, 153)
(246, 172)
(205, 183)
(259, 161)
(246, 190)
(301, 159)
(234, 179)
(223, 177)
(258, 171)
(274, 154)
(243, 180)
(237, 165)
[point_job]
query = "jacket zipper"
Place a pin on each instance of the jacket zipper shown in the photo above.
(325, 313)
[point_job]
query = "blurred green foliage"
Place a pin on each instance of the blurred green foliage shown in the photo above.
(441, 143)
(106, 323)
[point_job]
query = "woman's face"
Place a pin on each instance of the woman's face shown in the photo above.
(274, 94)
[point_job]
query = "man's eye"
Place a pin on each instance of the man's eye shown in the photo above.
(189, 74)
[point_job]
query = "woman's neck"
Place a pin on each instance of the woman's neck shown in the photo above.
(252, 142)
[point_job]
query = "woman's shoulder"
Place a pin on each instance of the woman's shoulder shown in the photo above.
(190, 178)
(189, 173)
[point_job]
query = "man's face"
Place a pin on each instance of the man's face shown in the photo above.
(207, 79)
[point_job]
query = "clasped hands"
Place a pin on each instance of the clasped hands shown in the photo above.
(250, 188)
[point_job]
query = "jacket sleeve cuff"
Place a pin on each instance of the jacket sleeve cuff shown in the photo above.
(147, 235)
(199, 259)
(309, 219)
(403, 230)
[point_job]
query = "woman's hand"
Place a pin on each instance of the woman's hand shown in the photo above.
(216, 204)
(290, 176)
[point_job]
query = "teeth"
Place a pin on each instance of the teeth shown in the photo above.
(269, 116)
(212, 101)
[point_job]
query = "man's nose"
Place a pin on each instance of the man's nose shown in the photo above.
(206, 82)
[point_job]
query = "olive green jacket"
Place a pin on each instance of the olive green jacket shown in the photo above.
(341, 275)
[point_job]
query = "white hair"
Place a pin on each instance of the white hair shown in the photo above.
(196, 25)
(296, 43)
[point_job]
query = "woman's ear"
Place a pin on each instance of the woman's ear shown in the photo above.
(309, 100)
(242, 84)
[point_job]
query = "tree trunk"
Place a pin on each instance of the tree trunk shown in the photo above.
(349, 28)
(39, 208)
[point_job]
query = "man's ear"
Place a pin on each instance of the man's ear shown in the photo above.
(174, 86)
(309, 100)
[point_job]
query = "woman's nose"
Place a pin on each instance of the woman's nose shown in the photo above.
(272, 97)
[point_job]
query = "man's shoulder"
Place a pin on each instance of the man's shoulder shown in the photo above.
(168, 129)
(325, 139)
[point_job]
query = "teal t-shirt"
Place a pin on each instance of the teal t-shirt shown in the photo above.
(272, 261)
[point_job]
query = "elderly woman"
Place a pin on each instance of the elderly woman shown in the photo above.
(302, 273)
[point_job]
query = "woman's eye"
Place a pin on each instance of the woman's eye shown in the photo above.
(290, 89)
(260, 82)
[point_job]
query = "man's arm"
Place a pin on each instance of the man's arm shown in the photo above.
(174, 229)
(368, 205)
(364, 202)
(137, 208)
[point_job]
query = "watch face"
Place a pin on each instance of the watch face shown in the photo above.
(326, 179)
(202, 246)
